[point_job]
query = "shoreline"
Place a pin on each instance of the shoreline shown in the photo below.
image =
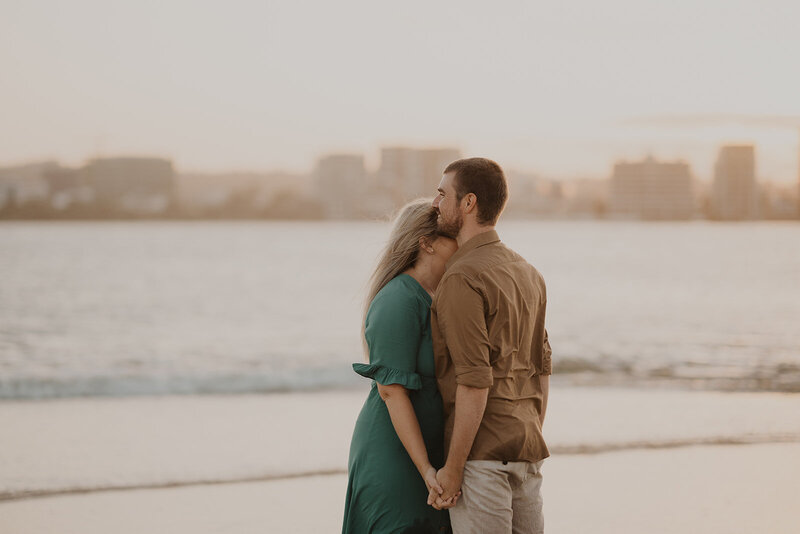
(588, 379)
(89, 444)
(557, 451)
(713, 489)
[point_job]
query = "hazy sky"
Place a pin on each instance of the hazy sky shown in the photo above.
(545, 86)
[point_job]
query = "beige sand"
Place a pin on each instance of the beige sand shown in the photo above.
(88, 443)
(710, 489)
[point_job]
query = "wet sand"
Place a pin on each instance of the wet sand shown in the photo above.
(624, 460)
(79, 444)
(711, 489)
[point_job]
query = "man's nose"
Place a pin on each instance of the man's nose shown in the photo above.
(435, 202)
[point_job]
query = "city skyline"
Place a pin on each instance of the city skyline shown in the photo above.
(778, 162)
(372, 162)
(342, 187)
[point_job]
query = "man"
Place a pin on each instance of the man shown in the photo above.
(492, 361)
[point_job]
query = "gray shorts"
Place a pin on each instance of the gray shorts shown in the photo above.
(499, 498)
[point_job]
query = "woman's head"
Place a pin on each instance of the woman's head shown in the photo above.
(414, 234)
(413, 226)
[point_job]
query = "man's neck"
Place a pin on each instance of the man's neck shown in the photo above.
(469, 231)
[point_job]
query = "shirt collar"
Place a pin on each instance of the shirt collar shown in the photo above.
(484, 238)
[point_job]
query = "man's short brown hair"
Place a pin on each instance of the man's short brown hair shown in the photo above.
(485, 179)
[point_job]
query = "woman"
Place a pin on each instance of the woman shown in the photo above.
(398, 439)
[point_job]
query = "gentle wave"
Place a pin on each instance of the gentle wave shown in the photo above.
(50, 387)
(577, 449)
(576, 371)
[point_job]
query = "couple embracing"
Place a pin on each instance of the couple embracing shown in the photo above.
(450, 436)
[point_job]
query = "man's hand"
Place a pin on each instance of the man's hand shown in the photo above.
(436, 501)
(450, 481)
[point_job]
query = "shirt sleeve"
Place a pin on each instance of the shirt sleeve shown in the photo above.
(393, 331)
(460, 312)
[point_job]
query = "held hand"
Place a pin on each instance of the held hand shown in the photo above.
(434, 488)
(434, 496)
(435, 491)
(440, 504)
(450, 480)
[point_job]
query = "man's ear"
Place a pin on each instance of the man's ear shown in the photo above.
(469, 203)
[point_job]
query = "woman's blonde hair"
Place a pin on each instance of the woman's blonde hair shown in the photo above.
(415, 220)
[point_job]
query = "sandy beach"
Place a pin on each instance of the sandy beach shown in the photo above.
(94, 443)
(736, 489)
(624, 460)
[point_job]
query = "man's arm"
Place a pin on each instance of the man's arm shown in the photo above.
(544, 373)
(460, 313)
(470, 405)
(544, 380)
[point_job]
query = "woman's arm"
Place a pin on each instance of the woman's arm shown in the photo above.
(406, 425)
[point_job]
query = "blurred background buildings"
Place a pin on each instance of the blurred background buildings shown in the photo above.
(343, 186)
(652, 190)
(734, 192)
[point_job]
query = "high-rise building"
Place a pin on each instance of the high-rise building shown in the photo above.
(408, 173)
(341, 182)
(24, 183)
(651, 190)
(134, 184)
(734, 194)
(798, 181)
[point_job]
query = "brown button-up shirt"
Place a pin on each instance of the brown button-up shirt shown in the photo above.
(487, 321)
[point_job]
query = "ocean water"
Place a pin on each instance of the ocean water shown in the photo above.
(143, 308)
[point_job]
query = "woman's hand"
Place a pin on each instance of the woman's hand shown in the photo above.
(435, 490)
(429, 476)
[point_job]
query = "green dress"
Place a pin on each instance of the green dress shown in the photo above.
(385, 493)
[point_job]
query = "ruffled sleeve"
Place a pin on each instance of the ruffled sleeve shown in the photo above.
(387, 375)
(393, 332)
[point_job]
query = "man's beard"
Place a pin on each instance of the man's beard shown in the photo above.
(450, 228)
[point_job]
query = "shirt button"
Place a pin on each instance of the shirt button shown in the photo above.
(505, 462)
